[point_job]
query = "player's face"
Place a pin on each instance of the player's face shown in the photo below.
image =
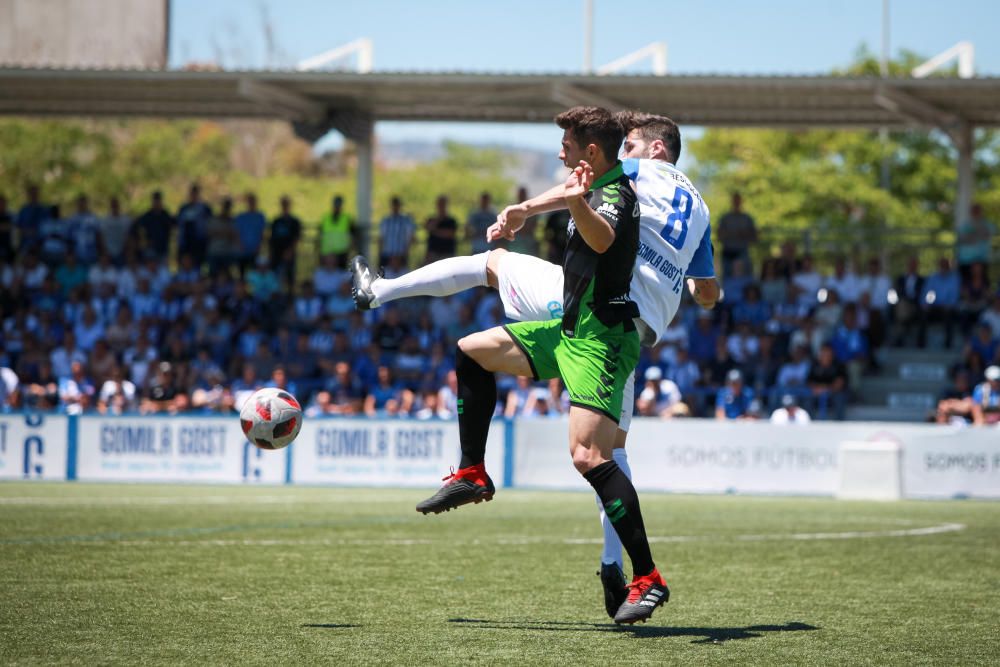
(571, 152)
(635, 146)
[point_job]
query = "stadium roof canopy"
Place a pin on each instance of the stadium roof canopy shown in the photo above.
(312, 97)
(349, 102)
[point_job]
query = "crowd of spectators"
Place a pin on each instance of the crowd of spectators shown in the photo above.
(98, 316)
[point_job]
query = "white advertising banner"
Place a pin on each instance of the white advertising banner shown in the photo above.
(398, 453)
(33, 446)
(707, 456)
(947, 463)
(166, 449)
(694, 456)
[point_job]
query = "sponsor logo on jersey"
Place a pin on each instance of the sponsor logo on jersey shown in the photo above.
(661, 264)
(608, 210)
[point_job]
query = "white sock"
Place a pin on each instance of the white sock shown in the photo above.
(441, 278)
(612, 544)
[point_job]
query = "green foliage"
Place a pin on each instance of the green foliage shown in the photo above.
(132, 158)
(828, 183)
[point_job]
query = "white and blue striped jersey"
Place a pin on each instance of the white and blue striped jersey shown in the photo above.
(675, 239)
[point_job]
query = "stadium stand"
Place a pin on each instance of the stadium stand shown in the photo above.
(85, 330)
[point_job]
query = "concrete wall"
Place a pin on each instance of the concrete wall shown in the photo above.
(84, 33)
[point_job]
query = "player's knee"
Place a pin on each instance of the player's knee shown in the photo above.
(483, 347)
(470, 346)
(586, 458)
(493, 267)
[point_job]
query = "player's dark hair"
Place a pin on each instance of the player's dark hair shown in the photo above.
(593, 125)
(652, 127)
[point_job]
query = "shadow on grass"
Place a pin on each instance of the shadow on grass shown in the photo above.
(708, 635)
(330, 625)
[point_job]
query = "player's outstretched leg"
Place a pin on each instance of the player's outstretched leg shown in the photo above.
(477, 399)
(441, 278)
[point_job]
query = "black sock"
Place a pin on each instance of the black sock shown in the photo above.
(477, 400)
(621, 504)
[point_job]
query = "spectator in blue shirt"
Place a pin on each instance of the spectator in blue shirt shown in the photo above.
(71, 274)
(734, 399)
(684, 372)
(152, 229)
(982, 344)
(250, 227)
(387, 397)
(986, 398)
(850, 346)
(84, 232)
(263, 281)
(752, 310)
(849, 342)
(345, 395)
(736, 281)
(192, 222)
(396, 233)
(29, 219)
(939, 301)
(53, 237)
(76, 391)
(279, 380)
(701, 341)
(245, 385)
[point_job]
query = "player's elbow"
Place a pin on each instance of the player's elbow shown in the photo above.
(601, 242)
(601, 248)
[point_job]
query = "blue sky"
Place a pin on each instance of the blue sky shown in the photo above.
(717, 36)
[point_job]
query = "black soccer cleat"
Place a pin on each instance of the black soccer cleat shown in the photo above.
(645, 594)
(615, 589)
(362, 277)
(464, 486)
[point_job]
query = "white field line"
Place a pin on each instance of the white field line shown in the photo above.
(847, 535)
(152, 500)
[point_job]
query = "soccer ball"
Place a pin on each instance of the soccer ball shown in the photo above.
(271, 418)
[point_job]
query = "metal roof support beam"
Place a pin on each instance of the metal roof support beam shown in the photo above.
(366, 181)
(574, 96)
(287, 104)
(657, 51)
(960, 130)
(914, 109)
(963, 137)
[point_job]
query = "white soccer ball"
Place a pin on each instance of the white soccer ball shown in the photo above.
(271, 418)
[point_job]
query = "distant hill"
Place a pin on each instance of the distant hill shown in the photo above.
(537, 170)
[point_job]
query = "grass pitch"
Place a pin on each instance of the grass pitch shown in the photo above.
(273, 575)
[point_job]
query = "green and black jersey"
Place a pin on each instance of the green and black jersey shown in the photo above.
(600, 282)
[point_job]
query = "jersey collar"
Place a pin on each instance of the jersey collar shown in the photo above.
(610, 175)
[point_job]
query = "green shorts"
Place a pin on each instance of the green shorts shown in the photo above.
(594, 365)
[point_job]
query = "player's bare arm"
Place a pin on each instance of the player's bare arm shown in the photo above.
(595, 230)
(512, 218)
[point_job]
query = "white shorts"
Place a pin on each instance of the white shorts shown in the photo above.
(531, 290)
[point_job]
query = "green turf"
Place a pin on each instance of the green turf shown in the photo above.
(189, 574)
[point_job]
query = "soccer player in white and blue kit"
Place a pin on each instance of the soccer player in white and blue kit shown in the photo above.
(674, 248)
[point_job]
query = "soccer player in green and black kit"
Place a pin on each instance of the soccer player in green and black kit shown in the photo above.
(593, 347)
